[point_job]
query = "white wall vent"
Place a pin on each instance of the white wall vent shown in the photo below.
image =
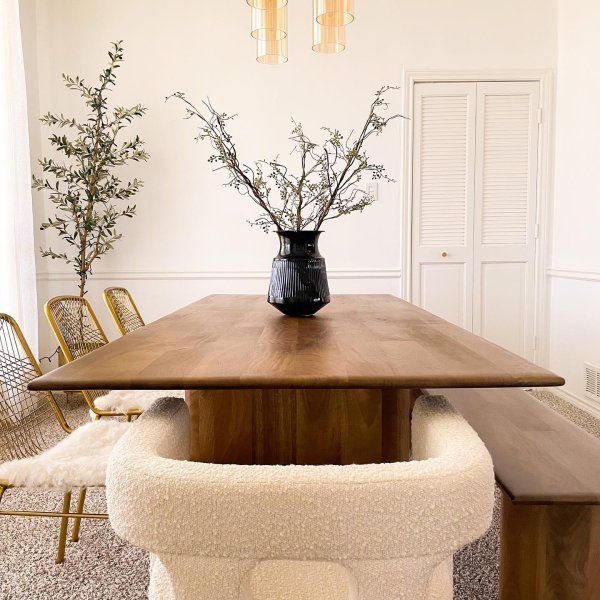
(592, 381)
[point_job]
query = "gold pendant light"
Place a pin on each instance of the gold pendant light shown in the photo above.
(272, 52)
(334, 13)
(329, 25)
(328, 40)
(269, 26)
(267, 4)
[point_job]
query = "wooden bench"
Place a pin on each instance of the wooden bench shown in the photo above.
(549, 472)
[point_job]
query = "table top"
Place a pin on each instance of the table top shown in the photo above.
(240, 342)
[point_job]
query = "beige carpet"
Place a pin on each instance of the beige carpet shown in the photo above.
(100, 566)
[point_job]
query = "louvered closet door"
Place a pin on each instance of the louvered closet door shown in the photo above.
(505, 214)
(443, 199)
(474, 207)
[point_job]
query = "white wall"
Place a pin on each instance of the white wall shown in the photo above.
(575, 298)
(187, 222)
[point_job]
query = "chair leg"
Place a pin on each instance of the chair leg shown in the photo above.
(129, 418)
(77, 521)
(64, 523)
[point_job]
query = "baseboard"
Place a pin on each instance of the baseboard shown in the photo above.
(586, 404)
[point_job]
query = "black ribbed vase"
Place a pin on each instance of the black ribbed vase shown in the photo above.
(299, 278)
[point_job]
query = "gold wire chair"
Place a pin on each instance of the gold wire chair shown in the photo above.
(24, 416)
(123, 309)
(79, 332)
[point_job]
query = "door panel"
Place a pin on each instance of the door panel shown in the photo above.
(503, 303)
(443, 189)
(505, 212)
(503, 165)
(444, 291)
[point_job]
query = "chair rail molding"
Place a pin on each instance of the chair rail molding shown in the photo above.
(565, 273)
(109, 275)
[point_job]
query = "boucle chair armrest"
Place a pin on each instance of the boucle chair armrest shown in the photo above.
(161, 503)
(161, 432)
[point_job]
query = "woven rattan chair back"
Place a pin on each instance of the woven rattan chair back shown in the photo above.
(77, 330)
(23, 414)
(123, 309)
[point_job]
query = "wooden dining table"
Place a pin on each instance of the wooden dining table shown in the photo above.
(264, 388)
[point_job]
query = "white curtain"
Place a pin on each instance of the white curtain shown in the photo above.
(17, 258)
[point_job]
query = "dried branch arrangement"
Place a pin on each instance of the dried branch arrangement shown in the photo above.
(84, 187)
(328, 184)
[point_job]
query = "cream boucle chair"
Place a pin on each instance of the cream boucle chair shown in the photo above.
(368, 532)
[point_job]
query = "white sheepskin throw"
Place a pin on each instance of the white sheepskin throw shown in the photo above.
(78, 460)
(126, 400)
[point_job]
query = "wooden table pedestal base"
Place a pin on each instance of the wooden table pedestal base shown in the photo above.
(307, 426)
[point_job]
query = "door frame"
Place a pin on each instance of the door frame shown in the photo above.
(544, 191)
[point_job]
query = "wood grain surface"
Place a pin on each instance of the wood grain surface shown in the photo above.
(549, 552)
(308, 427)
(240, 342)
